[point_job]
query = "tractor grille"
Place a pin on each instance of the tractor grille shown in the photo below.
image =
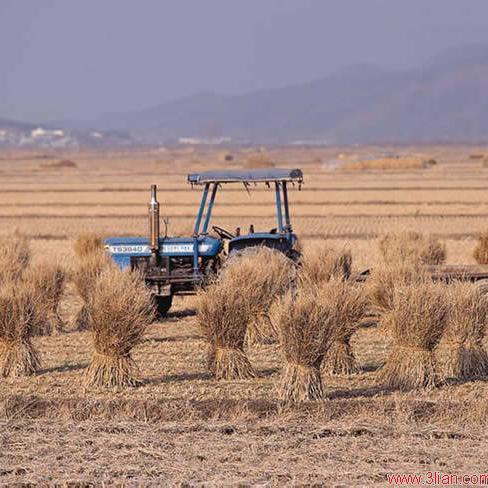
(169, 267)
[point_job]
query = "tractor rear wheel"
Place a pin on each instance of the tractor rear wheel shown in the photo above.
(162, 304)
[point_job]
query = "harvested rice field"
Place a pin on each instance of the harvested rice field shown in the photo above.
(180, 425)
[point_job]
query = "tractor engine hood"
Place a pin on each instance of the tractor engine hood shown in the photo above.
(169, 246)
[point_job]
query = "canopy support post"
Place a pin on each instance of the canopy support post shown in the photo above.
(209, 209)
(279, 213)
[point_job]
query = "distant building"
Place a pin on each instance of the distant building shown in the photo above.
(197, 141)
(46, 133)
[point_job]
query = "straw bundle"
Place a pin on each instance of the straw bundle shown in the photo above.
(351, 305)
(17, 310)
(225, 309)
(84, 277)
(412, 246)
(480, 252)
(460, 353)
(419, 316)
(309, 320)
(433, 251)
(340, 358)
(320, 263)
(47, 281)
(269, 274)
(14, 257)
(120, 309)
(385, 278)
(259, 160)
(87, 245)
(303, 338)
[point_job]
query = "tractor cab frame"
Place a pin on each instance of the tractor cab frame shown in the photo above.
(179, 265)
(280, 238)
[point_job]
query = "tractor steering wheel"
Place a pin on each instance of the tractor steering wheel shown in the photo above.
(224, 234)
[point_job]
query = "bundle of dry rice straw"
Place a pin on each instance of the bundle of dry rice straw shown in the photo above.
(310, 319)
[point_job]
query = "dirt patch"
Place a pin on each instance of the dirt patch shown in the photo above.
(390, 164)
(62, 164)
(258, 161)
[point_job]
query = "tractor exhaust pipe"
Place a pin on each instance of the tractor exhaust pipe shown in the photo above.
(154, 223)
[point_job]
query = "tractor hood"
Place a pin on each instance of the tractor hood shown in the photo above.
(169, 246)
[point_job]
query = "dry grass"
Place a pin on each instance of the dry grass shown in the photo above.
(181, 405)
(437, 201)
(320, 263)
(84, 277)
(480, 252)
(88, 244)
(351, 306)
(18, 356)
(412, 246)
(340, 358)
(460, 353)
(400, 163)
(225, 309)
(309, 320)
(269, 275)
(304, 338)
(61, 164)
(239, 303)
(258, 161)
(386, 278)
(48, 282)
(15, 257)
(120, 309)
(418, 318)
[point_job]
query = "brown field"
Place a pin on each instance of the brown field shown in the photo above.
(183, 427)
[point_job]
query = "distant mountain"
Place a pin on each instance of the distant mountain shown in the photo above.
(7, 124)
(312, 110)
(444, 100)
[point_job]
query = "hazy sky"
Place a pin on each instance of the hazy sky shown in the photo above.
(79, 58)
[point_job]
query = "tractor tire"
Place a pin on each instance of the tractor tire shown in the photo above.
(295, 256)
(162, 306)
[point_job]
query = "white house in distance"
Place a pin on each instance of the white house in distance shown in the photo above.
(41, 133)
(204, 140)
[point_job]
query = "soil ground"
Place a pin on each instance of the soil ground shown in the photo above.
(183, 427)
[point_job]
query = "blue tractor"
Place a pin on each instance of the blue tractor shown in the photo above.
(179, 265)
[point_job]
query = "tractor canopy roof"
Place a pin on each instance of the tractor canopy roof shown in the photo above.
(249, 176)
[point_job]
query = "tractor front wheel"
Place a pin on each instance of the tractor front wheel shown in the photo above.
(162, 304)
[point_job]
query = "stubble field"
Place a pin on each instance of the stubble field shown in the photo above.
(182, 426)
